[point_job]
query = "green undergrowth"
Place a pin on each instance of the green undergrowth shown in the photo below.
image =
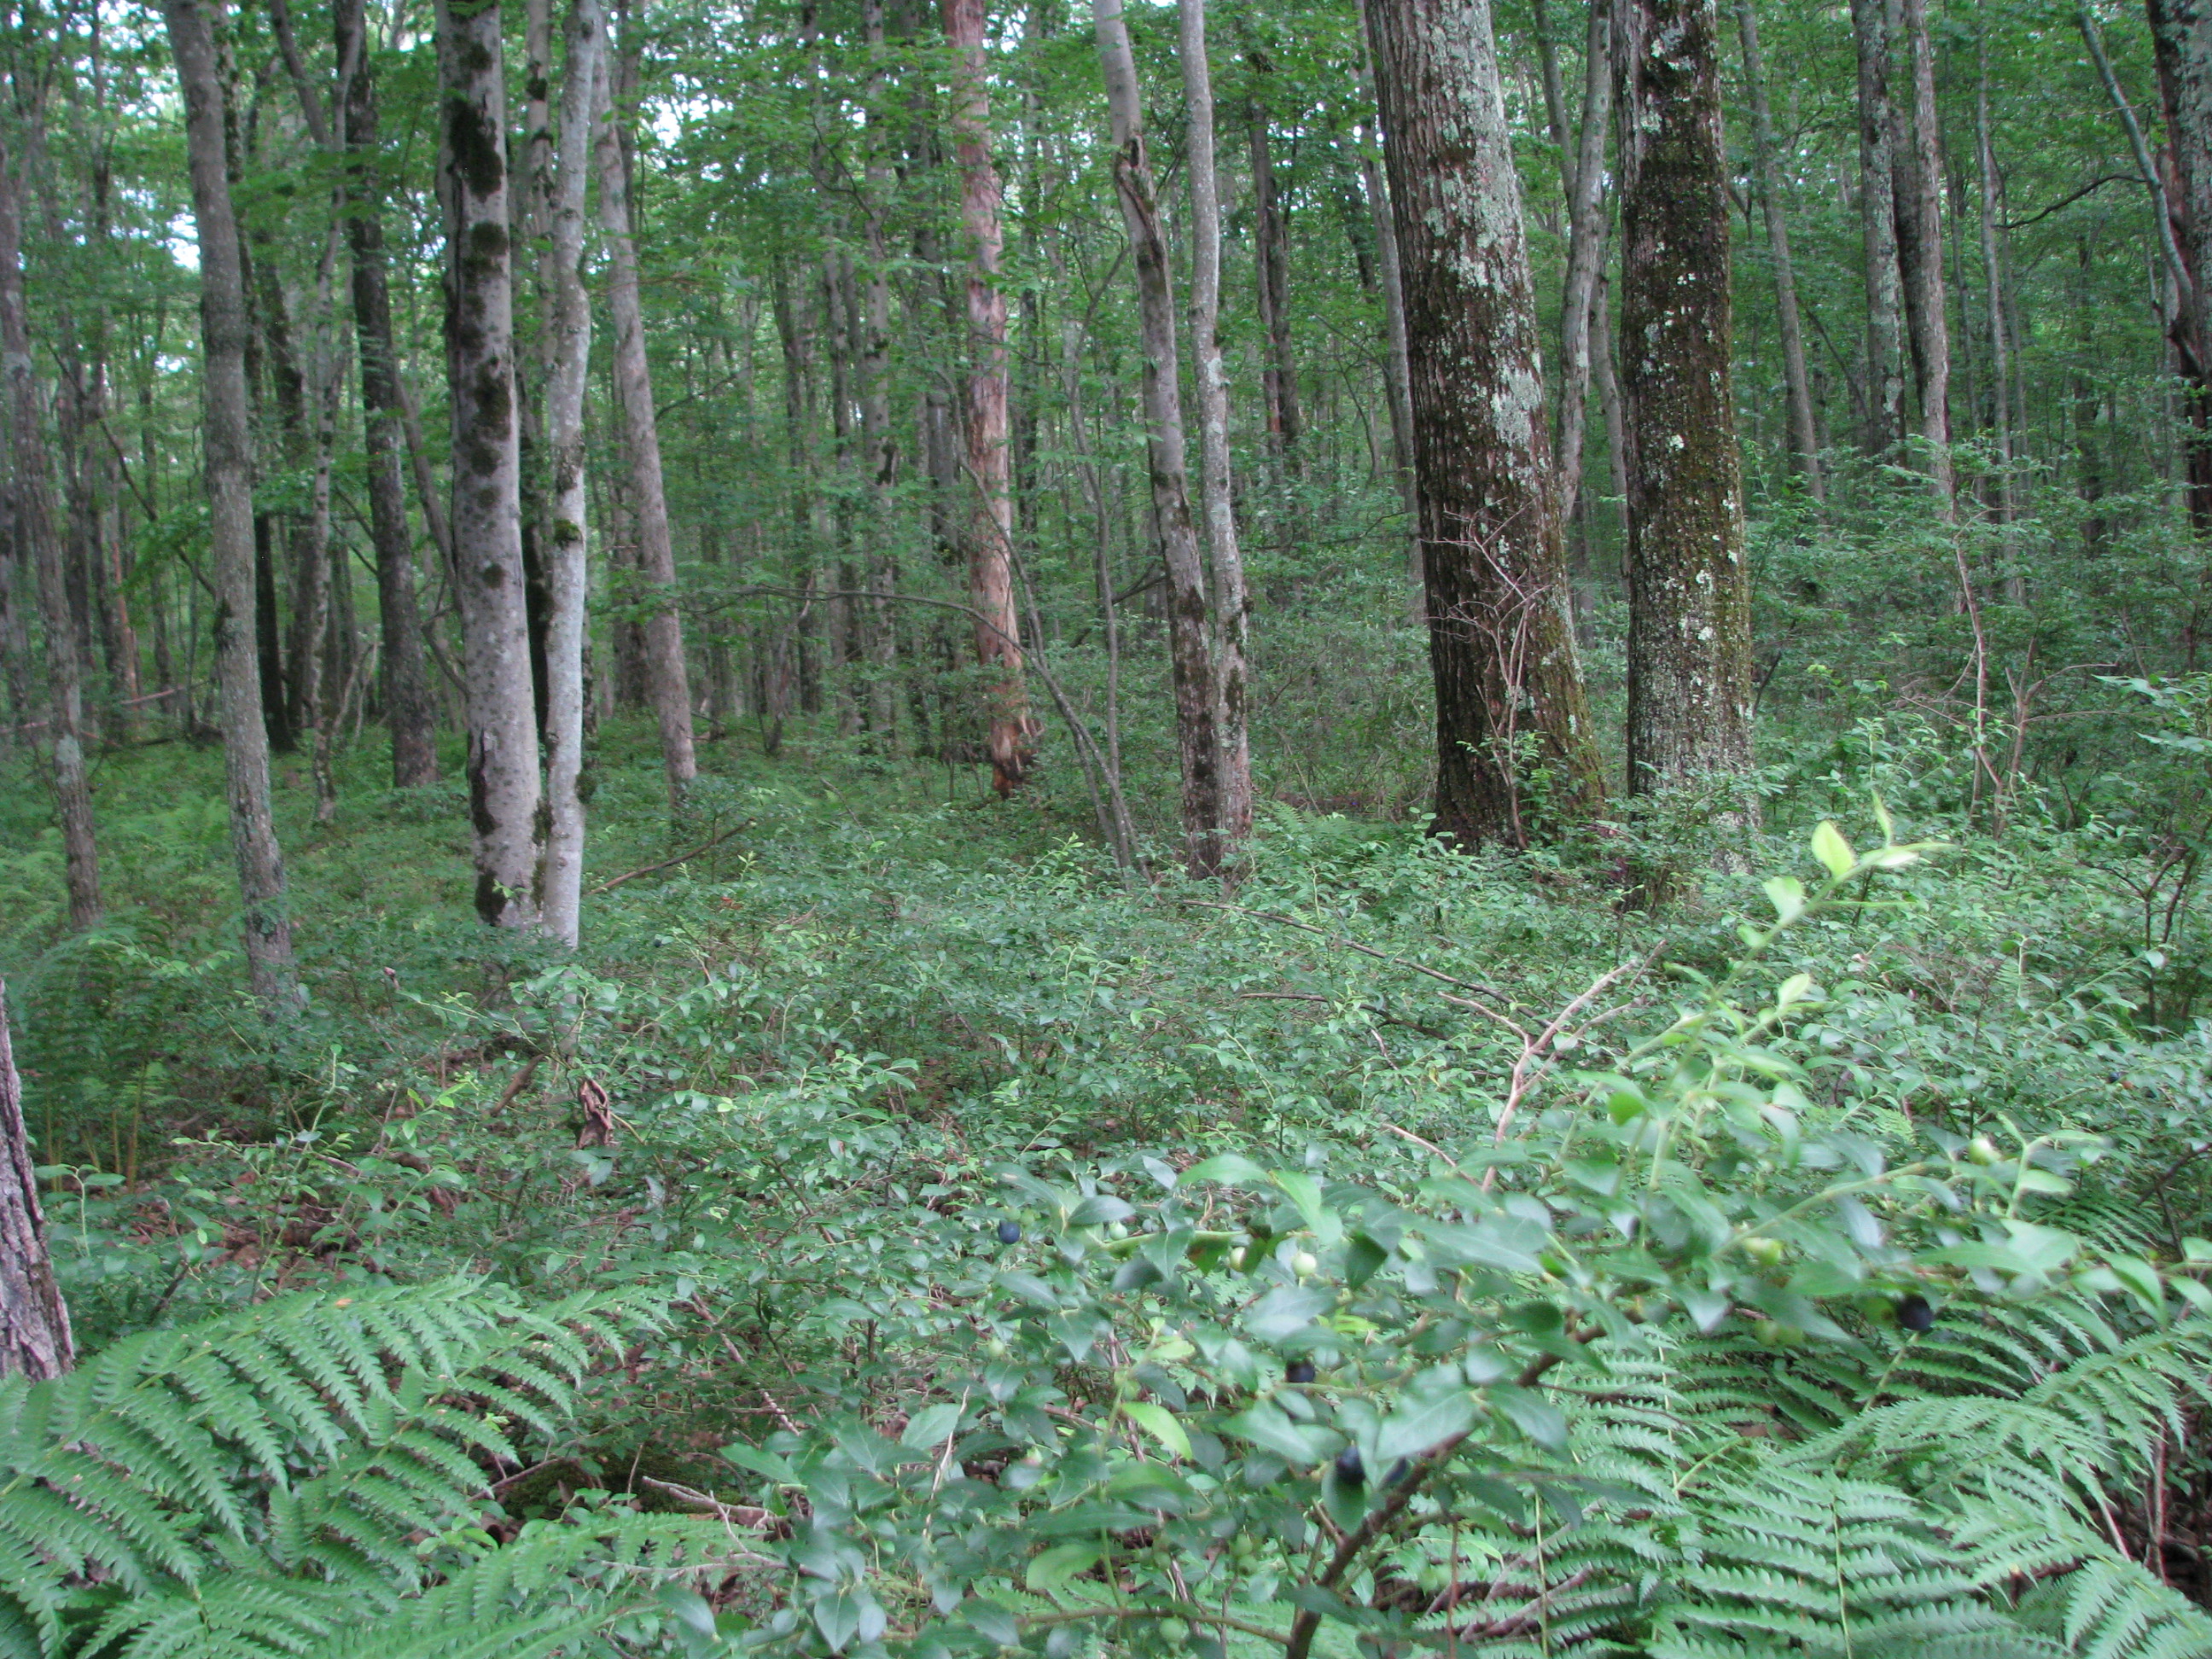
(983, 1251)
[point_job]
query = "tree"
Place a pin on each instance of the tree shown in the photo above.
(1920, 232)
(34, 523)
(1689, 627)
(487, 512)
(1216, 486)
(1189, 664)
(34, 1323)
(987, 483)
(1510, 700)
(1884, 390)
(227, 444)
(2181, 38)
(1804, 437)
(667, 680)
(408, 711)
(568, 575)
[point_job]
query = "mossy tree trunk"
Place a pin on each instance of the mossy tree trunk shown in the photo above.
(1510, 701)
(1689, 629)
(504, 798)
(34, 1323)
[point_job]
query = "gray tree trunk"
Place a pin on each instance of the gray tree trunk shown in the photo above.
(34, 526)
(486, 523)
(1582, 174)
(1878, 230)
(1510, 696)
(989, 517)
(569, 356)
(1689, 629)
(667, 680)
(409, 711)
(34, 1322)
(2181, 34)
(1197, 736)
(229, 449)
(1920, 223)
(1216, 491)
(1804, 439)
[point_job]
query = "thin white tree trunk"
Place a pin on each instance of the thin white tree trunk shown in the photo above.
(569, 346)
(667, 680)
(1216, 494)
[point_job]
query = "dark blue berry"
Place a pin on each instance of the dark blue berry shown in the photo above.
(1913, 1314)
(1300, 1371)
(1009, 1232)
(1399, 1471)
(1349, 1469)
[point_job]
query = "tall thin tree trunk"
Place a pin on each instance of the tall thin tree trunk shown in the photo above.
(1271, 273)
(487, 505)
(34, 1323)
(1510, 700)
(668, 680)
(34, 526)
(2000, 352)
(409, 711)
(1920, 223)
(878, 443)
(1216, 494)
(1689, 629)
(2181, 36)
(1397, 377)
(1878, 230)
(1197, 736)
(229, 447)
(568, 374)
(1804, 441)
(1582, 174)
(989, 519)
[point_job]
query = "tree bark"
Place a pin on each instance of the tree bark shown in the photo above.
(1804, 440)
(1271, 272)
(1197, 736)
(2181, 36)
(568, 373)
(2000, 348)
(34, 526)
(1231, 615)
(487, 504)
(1582, 171)
(229, 447)
(1920, 226)
(409, 711)
(1878, 230)
(1509, 700)
(1689, 631)
(667, 680)
(989, 520)
(34, 1322)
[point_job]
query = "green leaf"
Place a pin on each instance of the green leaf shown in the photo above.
(1266, 1425)
(1287, 1309)
(1158, 1422)
(1833, 850)
(1053, 1569)
(1787, 895)
(1230, 1169)
(932, 1424)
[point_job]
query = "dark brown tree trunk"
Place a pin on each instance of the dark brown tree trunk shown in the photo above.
(409, 711)
(2181, 36)
(1689, 629)
(229, 447)
(487, 505)
(34, 1322)
(989, 519)
(1878, 227)
(667, 677)
(1509, 700)
(1920, 229)
(1197, 737)
(35, 530)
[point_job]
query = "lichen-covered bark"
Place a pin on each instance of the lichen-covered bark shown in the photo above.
(1885, 410)
(988, 485)
(568, 350)
(667, 680)
(1689, 629)
(1510, 710)
(34, 525)
(226, 446)
(34, 1323)
(1197, 736)
(504, 799)
(1216, 494)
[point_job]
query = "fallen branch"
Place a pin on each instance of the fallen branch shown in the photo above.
(608, 886)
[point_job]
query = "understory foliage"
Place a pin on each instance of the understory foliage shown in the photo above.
(894, 1235)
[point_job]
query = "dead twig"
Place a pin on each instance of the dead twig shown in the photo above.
(608, 885)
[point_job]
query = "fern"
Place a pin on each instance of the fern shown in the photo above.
(304, 1477)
